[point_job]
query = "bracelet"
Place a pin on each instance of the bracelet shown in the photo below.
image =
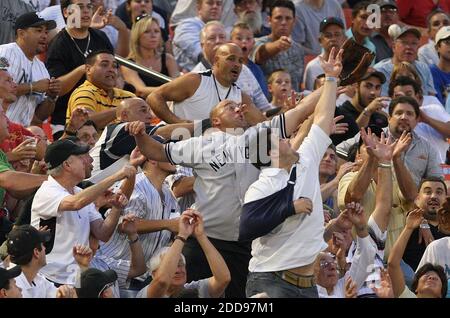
(424, 225)
(133, 241)
(385, 165)
(330, 79)
(182, 239)
(365, 112)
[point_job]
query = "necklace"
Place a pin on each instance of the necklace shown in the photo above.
(87, 51)
(217, 90)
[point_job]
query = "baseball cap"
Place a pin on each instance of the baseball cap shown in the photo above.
(442, 34)
(62, 149)
(395, 31)
(387, 3)
(94, 281)
(23, 239)
(330, 20)
(373, 72)
(32, 19)
(7, 274)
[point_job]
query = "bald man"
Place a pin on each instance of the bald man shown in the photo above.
(195, 94)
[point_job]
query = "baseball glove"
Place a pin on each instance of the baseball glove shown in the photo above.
(444, 217)
(356, 59)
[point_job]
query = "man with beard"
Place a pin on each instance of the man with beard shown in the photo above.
(331, 35)
(211, 37)
(405, 45)
(432, 193)
(309, 15)
(381, 38)
(36, 91)
(365, 108)
(97, 95)
(195, 94)
(249, 12)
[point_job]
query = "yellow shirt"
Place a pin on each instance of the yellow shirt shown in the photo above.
(95, 99)
(398, 212)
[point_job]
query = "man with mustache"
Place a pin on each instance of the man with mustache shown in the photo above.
(405, 46)
(36, 91)
(431, 196)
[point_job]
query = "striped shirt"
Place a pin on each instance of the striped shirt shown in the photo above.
(95, 99)
(23, 71)
(145, 203)
(187, 200)
(121, 267)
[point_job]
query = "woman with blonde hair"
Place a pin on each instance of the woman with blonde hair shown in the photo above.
(146, 49)
(405, 69)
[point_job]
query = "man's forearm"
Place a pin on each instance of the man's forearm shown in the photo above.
(45, 109)
(69, 80)
(148, 226)
(123, 41)
(103, 118)
(324, 112)
(150, 148)
(266, 52)
(108, 226)
(159, 107)
(358, 186)
(405, 181)
(302, 111)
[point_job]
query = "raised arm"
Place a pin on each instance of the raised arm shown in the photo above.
(220, 273)
(406, 183)
(442, 127)
(324, 112)
(178, 90)
(413, 220)
(20, 184)
(149, 147)
(137, 265)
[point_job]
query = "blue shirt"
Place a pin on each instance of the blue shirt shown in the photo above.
(257, 71)
(441, 82)
(385, 66)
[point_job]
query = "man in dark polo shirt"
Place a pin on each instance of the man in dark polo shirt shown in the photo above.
(365, 108)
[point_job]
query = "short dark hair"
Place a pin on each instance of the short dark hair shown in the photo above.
(428, 267)
(64, 5)
(25, 259)
(282, 4)
(358, 7)
(404, 100)
(433, 179)
(89, 123)
(432, 14)
(404, 81)
(90, 59)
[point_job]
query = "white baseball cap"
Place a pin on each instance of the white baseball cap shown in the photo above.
(442, 34)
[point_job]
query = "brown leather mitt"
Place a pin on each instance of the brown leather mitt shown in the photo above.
(444, 217)
(356, 59)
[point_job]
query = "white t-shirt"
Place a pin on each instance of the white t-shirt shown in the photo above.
(438, 253)
(72, 227)
(430, 134)
(200, 285)
(312, 70)
(39, 288)
(297, 241)
(23, 71)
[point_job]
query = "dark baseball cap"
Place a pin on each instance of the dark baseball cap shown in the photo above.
(23, 239)
(62, 149)
(94, 281)
(387, 3)
(32, 19)
(7, 274)
(373, 72)
(331, 20)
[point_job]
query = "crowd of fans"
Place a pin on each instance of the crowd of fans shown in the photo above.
(205, 148)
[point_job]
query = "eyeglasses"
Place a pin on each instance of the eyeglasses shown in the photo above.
(411, 44)
(392, 10)
(105, 288)
(144, 1)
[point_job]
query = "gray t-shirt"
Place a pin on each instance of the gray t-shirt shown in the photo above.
(291, 60)
(307, 22)
(199, 287)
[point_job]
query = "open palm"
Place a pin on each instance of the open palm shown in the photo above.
(333, 66)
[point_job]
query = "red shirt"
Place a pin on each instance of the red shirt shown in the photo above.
(415, 12)
(16, 136)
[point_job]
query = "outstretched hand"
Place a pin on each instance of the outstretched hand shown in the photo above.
(333, 66)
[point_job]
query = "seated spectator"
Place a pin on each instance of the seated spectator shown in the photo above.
(242, 35)
(280, 87)
(430, 280)
(186, 41)
(380, 38)
(98, 94)
(8, 287)
(309, 15)
(146, 49)
(212, 36)
(331, 34)
(406, 43)
(59, 204)
(441, 70)
(88, 133)
(249, 12)
(277, 50)
(359, 30)
(168, 269)
(95, 283)
(435, 21)
(415, 13)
